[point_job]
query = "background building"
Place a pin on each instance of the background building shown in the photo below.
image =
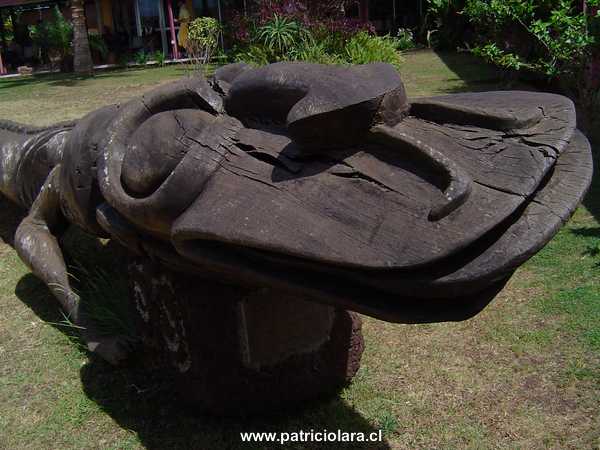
(128, 27)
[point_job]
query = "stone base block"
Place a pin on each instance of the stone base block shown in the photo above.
(235, 351)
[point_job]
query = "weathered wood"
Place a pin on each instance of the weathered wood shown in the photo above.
(320, 105)
(368, 207)
(317, 182)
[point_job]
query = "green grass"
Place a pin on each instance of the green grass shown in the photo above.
(523, 374)
(50, 98)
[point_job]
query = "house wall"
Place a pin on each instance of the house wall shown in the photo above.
(107, 15)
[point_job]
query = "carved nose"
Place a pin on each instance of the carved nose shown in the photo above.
(321, 106)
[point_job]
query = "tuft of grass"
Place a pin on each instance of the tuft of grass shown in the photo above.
(104, 297)
(580, 305)
(582, 372)
(387, 423)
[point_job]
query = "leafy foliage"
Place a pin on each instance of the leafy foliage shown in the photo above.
(364, 48)
(318, 32)
(444, 25)
(405, 39)
(550, 37)
(98, 44)
(281, 35)
(253, 54)
(7, 31)
(203, 39)
(492, 53)
(551, 40)
(159, 57)
(54, 36)
(310, 13)
(315, 51)
(141, 57)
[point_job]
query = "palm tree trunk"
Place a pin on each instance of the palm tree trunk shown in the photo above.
(82, 57)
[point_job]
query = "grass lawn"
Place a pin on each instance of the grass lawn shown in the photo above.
(525, 373)
(46, 99)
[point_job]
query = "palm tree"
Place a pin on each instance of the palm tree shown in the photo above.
(82, 57)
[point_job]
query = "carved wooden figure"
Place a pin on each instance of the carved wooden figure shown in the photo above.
(262, 205)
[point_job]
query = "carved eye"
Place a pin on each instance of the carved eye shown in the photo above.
(158, 145)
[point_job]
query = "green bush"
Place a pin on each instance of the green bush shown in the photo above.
(159, 57)
(141, 57)
(98, 44)
(549, 37)
(124, 59)
(317, 52)
(444, 26)
(253, 54)
(555, 41)
(365, 48)
(203, 39)
(54, 36)
(405, 39)
(276, 34)
(281, 37)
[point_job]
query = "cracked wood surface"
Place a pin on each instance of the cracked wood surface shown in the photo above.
(367, 207)
(319, 186)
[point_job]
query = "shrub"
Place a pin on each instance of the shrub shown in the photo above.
(159, 57)
(253, 54)
(317, 52)
(203, 39)
(549, 37)
(444, 25)
(97, 44)
(404, 39)
(556, 41)
(124, 59)
(277, 30)
(281, 36)
(141, 57)
(365, 48)
(54, 36)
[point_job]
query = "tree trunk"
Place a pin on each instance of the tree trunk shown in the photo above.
(82, 57)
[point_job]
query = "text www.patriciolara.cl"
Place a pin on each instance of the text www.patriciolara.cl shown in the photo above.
(312, 436)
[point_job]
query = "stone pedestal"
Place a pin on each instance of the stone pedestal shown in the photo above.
(238, 351)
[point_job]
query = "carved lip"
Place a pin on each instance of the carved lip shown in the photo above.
(452, 289)
(368, 207)
(350, 227)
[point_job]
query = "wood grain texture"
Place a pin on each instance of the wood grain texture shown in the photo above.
(320, 182)
(367, 207)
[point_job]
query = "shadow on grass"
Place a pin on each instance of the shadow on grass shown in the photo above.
(72, 80)
(11, 83)
(58, 79)
(592, 199)
(142, 400)
(478, 76)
